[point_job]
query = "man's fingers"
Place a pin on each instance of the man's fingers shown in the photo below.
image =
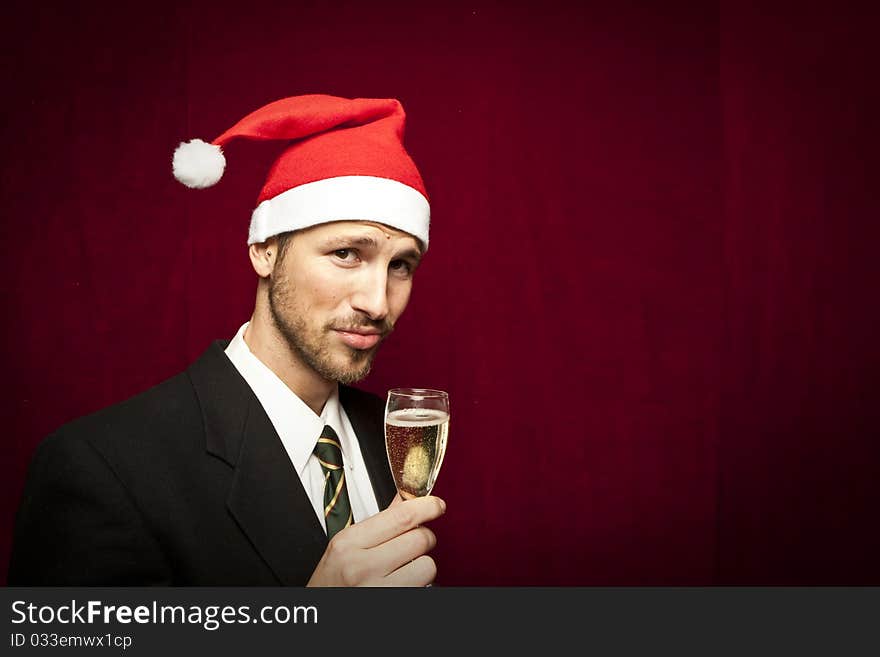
(397, 500)
(395, 520)
(419, 572)
(402, 549)
(387, 549)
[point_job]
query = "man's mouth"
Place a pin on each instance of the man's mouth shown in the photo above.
(360, 338)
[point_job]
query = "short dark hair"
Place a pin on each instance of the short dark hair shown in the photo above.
(284, 240)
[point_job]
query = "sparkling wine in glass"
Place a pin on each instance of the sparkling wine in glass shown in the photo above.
(416, 428)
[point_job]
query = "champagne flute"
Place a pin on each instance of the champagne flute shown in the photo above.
(416, 428)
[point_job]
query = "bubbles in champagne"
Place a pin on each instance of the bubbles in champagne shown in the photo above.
(416, 441)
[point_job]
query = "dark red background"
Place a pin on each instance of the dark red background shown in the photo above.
(652, 283)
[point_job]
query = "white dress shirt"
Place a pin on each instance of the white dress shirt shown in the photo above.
(299, 429)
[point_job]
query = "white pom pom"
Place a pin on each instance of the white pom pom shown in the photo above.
(198, 164)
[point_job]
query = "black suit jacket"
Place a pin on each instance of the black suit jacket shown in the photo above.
(185, 484)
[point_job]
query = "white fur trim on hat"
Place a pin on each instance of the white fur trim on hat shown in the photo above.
(344, 198)
(198, 164)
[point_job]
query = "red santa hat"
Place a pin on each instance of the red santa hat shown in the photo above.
(346, 162)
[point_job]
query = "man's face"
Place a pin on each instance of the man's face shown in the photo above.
(337, 291)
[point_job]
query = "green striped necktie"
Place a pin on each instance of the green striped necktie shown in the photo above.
(337, 508)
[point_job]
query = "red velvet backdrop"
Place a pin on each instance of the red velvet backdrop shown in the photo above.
(651, 289)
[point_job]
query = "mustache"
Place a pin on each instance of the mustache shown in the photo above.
(352, 322)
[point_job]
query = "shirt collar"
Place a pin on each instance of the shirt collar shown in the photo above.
(297, 425)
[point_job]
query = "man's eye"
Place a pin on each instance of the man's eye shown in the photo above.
(401, 266)
(345, 254)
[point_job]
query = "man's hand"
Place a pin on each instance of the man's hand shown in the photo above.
(388, 549)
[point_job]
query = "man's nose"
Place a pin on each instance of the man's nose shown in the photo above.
(371, 295)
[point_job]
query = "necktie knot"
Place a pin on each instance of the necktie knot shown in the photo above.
(329, 450)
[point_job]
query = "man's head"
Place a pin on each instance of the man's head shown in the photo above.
(339, 227)
(336, 290)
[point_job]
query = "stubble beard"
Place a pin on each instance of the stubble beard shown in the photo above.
(311, 346)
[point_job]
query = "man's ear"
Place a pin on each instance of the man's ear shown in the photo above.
(263, 255)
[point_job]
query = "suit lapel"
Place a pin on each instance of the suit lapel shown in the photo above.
(268, 501)
(266, 497)
(365, 412)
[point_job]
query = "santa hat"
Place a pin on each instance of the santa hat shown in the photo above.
(346, 162)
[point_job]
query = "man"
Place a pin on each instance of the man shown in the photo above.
(259, 465)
